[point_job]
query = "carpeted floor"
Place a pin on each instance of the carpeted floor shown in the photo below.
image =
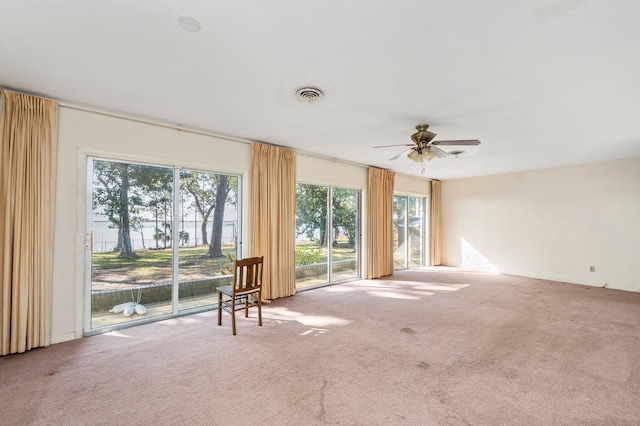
(423, 347)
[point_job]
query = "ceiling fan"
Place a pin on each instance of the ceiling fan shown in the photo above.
(425, 148)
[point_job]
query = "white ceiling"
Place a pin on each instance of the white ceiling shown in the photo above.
(540, 83)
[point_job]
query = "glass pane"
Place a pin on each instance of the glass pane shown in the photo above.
(311, 235)
(131, 261)
(344, 253)
(399, 232)
(416, 231)
(208, 227)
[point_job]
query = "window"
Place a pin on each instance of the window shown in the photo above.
(327, 234)
(160, 240)
(409, 231)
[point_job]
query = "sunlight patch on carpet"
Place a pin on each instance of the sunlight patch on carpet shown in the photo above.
(395, 289)
(396, 295)
(439, 287)
(308, 320)
(120, 334)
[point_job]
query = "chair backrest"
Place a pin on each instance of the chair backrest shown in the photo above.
(247, 274)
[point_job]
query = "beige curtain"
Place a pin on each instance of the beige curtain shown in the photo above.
(28, 142)
(273, 217)
(380, 223)
(435, 244)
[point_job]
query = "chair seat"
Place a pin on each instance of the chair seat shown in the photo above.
(228, 290)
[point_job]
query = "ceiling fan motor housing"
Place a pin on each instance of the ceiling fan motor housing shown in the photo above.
(422, 136)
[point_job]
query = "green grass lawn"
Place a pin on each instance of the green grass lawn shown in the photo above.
(339, 252)
(153, 266)
(156, 265)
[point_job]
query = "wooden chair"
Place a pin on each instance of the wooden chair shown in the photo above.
(245, 292)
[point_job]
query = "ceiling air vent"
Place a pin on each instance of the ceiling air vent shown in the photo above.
(309, 94)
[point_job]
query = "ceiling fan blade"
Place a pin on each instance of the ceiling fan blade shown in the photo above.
(440, 153)
(406, 151)
(459, 143)
(386, 146)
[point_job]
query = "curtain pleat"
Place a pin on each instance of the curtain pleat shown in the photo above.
(380, 223)
(28, 147)
(435, 249)
(273, 217)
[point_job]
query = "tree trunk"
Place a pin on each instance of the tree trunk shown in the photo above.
(205, 222)
(222, 190)
(119, 242)
(127, 251)
(157, 230)
(164, 225)
(142, 236)
(203, 227)
(323, 233)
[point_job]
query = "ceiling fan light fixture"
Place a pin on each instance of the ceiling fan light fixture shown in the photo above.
(428, 155)
(415, 156)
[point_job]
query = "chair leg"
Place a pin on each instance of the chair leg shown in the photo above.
(259, 309)
(219, 308)
(233, 316)
(246, 306)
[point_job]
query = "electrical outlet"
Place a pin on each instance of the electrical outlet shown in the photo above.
(592, 268)
(638, 289)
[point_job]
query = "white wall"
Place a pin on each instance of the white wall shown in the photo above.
(411, 185)
(319, 171)
(551, 224)
(83, 133)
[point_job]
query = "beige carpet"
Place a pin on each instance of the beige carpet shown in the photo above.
(421, 348)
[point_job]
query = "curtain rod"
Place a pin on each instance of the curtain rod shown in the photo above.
(199, 131)
(152, 122)
(133, 118)
(188, 129)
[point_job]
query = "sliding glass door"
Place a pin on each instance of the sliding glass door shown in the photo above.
(345, 235)
(409, 231)
(159, 240)
(327, 234)
(399, 232)
(207, 237)
(416, 232)
(132, 212)
(312, 245)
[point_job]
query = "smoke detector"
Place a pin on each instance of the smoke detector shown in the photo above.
(309, 94)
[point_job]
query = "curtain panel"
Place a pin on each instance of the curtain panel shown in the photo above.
(380, 223)
(28, 147)
(435, 243)
(272, 217)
